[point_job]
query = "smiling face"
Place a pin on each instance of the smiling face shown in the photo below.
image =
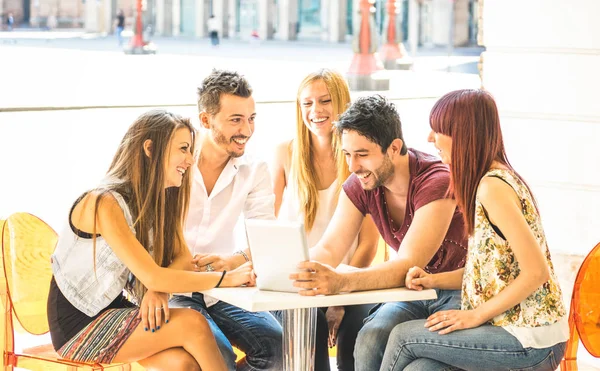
(365, 159)
(233, 125)
(179, 157)
(317, 108)
(443, 143)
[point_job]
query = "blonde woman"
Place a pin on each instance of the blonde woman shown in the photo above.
(308, 173)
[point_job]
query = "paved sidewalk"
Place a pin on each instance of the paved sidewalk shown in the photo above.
(66, 69)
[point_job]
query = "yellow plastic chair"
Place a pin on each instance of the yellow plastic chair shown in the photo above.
(584, 315)
(27, 244)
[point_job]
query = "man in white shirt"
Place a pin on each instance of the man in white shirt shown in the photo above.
(227, 184)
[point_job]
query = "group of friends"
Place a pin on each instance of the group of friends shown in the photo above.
(161, 223)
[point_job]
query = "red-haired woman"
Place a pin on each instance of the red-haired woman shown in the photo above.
(512, 316)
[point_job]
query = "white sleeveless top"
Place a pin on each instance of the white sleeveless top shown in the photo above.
(291, 211)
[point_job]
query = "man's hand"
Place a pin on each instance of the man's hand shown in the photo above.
(334, 316)
(418, 279)
(151, 310)
(318, 279)
(216, 262)
(452, 320)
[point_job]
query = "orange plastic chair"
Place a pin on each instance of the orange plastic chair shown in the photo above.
(584, 315)
(27, 244)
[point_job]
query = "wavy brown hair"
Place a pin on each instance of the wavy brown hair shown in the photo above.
(158, 212)
(302, 147)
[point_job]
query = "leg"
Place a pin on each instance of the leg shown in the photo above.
(170, 359)
(196, 302)
(347, 333)
(485, 347)
(259, 335)
(426, 364)
(187, 329)
(321, 342)
(373, 337)
(446, 300)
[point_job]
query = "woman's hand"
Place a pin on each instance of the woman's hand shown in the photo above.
(418, 279)
(244, 275)
(452, 320)
(334, 316)
(151, 310)
(216, 262)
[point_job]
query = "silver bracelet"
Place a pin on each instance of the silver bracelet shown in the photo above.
(242, 253)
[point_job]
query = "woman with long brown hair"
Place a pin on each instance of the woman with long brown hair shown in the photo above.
(512, 314)
(308, 175)
(127, 234)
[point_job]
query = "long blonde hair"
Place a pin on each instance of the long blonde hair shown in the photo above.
(158, 213)
(304, 171)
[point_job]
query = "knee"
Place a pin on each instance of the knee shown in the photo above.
(183, 362)
(193, 323)
(374, 332)
(371, 340)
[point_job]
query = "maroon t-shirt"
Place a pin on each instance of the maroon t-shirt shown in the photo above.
(429, 181)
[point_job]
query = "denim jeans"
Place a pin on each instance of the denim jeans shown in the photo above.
(373, 337)
(411, 346)
(119, 32)
(258, 335)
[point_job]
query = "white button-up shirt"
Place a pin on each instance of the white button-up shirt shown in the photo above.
(243, 188)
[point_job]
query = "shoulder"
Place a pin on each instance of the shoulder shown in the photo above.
(284, 148)
(352, 185)
(283, 153)
(495, 191)
(429, 166)
(252, 169)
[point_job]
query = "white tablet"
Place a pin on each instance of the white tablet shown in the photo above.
(277, 247)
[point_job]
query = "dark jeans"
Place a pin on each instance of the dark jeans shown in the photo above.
(258, 335)
(349, 328)
(214, 38)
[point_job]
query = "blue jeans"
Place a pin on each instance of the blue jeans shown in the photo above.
(258, 335)
(119, 32)
(413, 347)
(373, 337)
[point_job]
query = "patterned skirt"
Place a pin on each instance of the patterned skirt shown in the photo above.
(100, 340)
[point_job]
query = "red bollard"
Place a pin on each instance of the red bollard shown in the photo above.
(137, 44)
(392, 52)
(364, 63)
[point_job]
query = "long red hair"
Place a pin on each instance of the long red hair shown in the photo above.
(470, 118)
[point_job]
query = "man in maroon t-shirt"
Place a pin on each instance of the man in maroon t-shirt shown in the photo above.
(405, 191)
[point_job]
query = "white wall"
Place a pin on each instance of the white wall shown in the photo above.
(541, 65)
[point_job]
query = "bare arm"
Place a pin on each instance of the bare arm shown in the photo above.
(340, 233)
(504, 210)
(278, 174)
(368, 238)
(183, 258)
(424, 237)
(111, 224)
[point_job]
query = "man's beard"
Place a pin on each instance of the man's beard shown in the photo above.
(221, 140)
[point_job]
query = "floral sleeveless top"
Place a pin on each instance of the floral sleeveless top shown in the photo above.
(491, 266)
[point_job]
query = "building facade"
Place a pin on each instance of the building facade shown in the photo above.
(327, 20)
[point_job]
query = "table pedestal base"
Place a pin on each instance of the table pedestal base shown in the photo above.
(299, 329)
